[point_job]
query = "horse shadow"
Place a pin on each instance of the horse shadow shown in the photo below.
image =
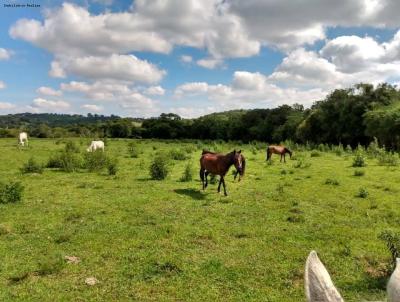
(194, 194)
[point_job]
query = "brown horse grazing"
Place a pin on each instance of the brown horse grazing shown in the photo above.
(219, 164)
(282, 150)
(237, 171)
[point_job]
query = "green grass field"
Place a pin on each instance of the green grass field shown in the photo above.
(147, 240)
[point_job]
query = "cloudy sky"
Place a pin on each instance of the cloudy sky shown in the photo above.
(191, 57)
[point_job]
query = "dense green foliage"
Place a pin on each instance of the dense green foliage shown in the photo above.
(346, 116)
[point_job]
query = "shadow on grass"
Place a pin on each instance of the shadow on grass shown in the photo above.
(194, 194)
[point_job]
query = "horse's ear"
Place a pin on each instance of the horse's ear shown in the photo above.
(240, 151)
(318, 284)
(234, 151)
(393, 287)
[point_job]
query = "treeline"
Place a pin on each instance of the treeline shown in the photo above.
(346, 116)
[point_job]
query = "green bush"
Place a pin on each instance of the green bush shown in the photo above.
(187, 173)
(133, 150)
(95, 161)
(301, 163)
(11, 192)
(387, 158)
(315, 153)
(112, 166)
(65, 161)
(359, 158)
(177, 154)
(373, 149)
(159, 167)
(71, 146)
(359, 173)
(330, 181)
(362, 193)
(31, 166)
(338, 150)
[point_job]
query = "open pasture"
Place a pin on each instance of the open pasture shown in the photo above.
(149, 240)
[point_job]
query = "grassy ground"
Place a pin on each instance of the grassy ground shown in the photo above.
(146, 240)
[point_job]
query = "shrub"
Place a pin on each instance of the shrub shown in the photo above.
(315, 153)
(133, 150)
(362, 193)
(71, 146)
(50, 265)
(387, 158)
(373, 149)
(95, 161)
(112, 166)
(359, 173)
(330, 181)
(393, 244)
(177, 154)
(338, 150)
(65, 161)
(32, 167)
(159, 167)
(189, 149)
(187, 173)
(301, 164)
(11, 192)
(359, 159)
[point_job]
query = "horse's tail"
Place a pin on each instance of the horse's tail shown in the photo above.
(268, 153)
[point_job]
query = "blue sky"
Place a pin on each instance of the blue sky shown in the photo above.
(195, 57)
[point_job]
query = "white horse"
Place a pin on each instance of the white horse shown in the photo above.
(320, 288)
(95, 145)
(22, 138)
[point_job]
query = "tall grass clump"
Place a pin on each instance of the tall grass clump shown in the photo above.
(362, 193)
(359, 172)
(133, 150)
(388, 158)
(159, 167)
(178, 154)
(187, 173)
(65, 161)
(32, 166)
(11, 192)
(373, 148)
(338, 150)
(71, 146)
(392, 242)
(359, 158)
(315, 153)
(112, 166)
(95, 161)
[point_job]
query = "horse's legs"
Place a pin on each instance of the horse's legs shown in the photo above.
(206, 174)
(202, 177)
(223, 182)
(219, 184)
(284, 157)
(281, 158)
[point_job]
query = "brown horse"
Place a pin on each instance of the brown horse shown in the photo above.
(219, 164)
(282, 150)
(237, 171)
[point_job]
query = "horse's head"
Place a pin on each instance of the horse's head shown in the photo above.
(290, 152)
(239, 162)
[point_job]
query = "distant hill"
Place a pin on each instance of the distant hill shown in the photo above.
(55, 120)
